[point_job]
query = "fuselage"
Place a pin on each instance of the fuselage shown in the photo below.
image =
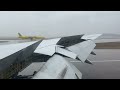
(31, 37)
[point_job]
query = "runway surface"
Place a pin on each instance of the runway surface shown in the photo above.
(106, 65)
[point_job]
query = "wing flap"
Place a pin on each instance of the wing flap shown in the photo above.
(83, 49)
(66, 52)
(57, 68)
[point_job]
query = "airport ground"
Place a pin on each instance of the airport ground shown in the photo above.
(106, 65)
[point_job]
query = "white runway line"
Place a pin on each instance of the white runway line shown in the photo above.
(101, 61)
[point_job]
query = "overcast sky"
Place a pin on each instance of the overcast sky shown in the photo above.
(58, 23)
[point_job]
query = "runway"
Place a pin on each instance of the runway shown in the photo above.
(106, 65)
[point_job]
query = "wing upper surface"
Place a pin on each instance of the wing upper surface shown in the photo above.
(56, 68)
(83, 49)
(47, 47)
(91, 37)
(6, 50)
(17, 55)
(71, 46)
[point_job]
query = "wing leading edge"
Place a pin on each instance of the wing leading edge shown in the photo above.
(17, 60)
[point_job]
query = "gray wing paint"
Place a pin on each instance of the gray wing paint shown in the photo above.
(57, 68)
(16, 53)
(91, 37)
(83, 49)
(47, 47)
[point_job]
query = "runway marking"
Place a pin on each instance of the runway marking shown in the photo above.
(107, 61)
(101, 61)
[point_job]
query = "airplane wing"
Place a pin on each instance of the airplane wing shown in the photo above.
(47, 47)
(76, 47)
(13, 57)
(58, 68)
(91, 37)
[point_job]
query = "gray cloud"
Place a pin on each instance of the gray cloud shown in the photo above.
(58, 23)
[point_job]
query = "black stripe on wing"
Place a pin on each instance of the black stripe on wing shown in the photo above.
(70, 40)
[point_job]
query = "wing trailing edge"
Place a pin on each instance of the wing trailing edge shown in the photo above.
(83, 49)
